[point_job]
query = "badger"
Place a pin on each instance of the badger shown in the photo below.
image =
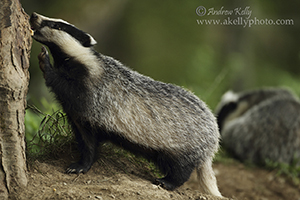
(261, 125)
(106, 101)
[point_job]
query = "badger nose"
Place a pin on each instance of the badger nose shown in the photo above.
(34, 15)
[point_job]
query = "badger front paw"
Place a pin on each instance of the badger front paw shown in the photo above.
(77, 168)
(44, 60)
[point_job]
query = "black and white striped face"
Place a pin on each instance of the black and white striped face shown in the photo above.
(59, 32)
(65, 40)
(230, 108)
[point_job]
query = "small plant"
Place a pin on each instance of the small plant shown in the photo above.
(290, 170)
(52, 133)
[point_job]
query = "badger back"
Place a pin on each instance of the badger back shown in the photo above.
(153, 114)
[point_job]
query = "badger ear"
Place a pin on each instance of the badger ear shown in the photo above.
(230, 96)
(92, 40)
(88, 41)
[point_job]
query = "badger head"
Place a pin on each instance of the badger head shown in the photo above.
(230, 107)
(66, 43)
(59, 32)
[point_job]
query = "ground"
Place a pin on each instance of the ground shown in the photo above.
(120, 176)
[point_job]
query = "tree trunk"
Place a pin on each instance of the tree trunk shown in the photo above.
(15, 45)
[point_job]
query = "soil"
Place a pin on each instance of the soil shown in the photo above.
(122, 176)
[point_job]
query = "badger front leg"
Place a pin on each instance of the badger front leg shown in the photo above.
(44, 61)
(87, 144)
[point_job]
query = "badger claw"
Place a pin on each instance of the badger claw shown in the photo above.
(44, 60)
(165, 184)
(77, 168)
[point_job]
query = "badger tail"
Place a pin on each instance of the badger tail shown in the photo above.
(207, 179)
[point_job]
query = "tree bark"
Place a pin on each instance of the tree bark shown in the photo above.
(15, 45)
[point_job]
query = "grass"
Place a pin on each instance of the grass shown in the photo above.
(222, 156)
(46, 133)
(292, 171)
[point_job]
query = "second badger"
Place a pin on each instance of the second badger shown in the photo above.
(104, 100)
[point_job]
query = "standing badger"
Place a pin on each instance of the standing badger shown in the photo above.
(261, 124)
(104, 100)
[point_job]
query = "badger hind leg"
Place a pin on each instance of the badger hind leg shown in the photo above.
(207, 178)
(177, 173)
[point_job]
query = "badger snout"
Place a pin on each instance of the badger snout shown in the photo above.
(34, 21)
(34, 15)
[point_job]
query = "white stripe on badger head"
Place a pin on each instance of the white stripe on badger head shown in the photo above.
(230, 96)
(44, 18)
(52, 19)
(74, 49)
(71, 46)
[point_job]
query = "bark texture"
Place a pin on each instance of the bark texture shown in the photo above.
(15, 45)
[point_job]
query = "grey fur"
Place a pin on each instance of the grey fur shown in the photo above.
(265, 124)
(105, 100)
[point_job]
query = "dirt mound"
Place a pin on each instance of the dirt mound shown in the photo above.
(48, 181)
(123, 177)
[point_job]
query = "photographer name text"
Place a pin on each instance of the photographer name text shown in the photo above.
(246, 12)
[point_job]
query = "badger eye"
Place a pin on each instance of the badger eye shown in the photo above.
(56, 26)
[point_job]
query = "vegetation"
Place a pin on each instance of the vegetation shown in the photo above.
(292, 171)
(46, 134)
